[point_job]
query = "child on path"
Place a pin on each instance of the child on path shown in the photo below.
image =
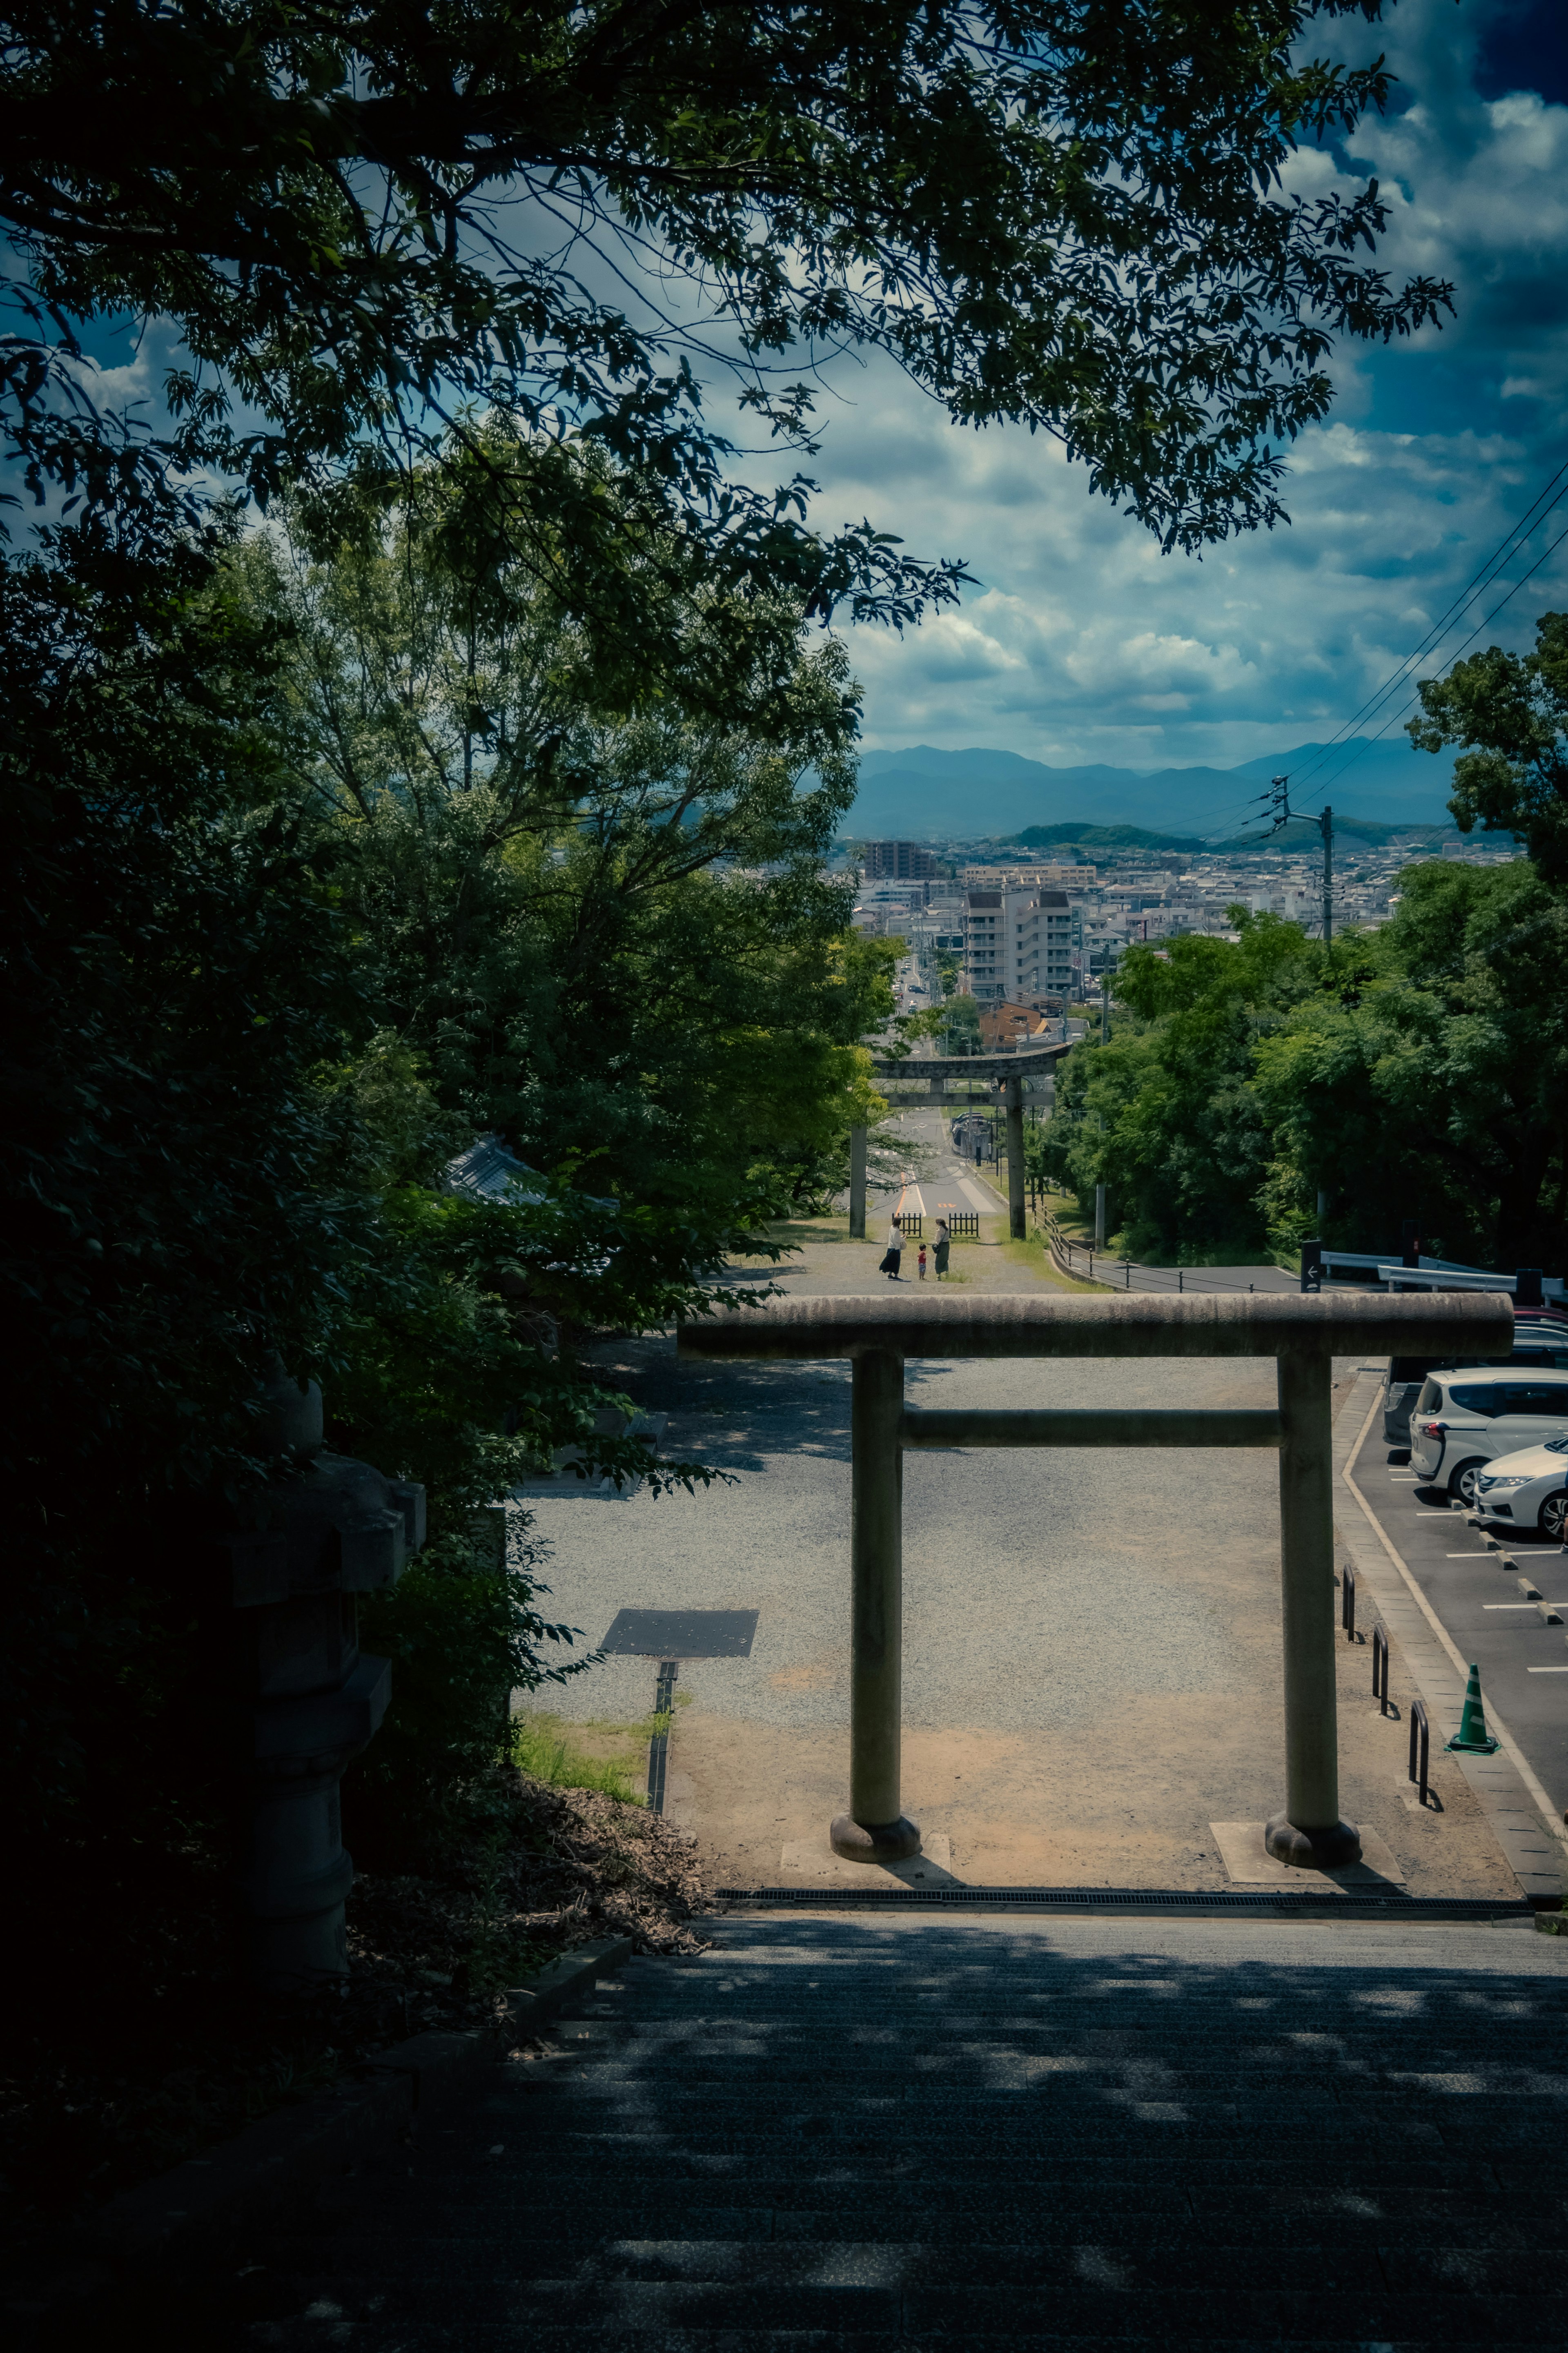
(923, 1261)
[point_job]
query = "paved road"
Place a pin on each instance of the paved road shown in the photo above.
(952, 1182)
(1101, 1629)
(1128, 1274)
(957, 1184)
(1523, 1661)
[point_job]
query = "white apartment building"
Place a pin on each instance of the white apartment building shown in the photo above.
(1017, 943)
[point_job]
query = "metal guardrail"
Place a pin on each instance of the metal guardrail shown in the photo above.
(1380, 1669)
(1347, 1600)
(1063, 1247)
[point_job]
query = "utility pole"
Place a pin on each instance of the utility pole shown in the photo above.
(1326, 828)
(1105, 1041)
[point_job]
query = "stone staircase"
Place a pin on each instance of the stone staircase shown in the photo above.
(848, 2133)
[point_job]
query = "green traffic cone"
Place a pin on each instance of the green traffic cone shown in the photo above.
(1472, 1733)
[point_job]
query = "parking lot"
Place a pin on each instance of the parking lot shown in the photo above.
(1523, 1659)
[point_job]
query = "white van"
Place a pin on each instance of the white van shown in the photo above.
(1463, 1420)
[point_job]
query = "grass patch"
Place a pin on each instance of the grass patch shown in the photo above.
(791, 1232)
(564, 1754)
(1033, 1254)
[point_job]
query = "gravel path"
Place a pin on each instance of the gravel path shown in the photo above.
(1039, 1588)
(1092, 1656)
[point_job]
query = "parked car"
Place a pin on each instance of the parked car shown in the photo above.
(1464, 1421)
(1537, 1341)
(1528, 1490)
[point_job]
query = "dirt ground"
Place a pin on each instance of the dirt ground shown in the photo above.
(1127, 1803)
(1125, 1799)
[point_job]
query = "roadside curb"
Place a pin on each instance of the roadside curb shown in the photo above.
(1533, 1844)
(296, 2149)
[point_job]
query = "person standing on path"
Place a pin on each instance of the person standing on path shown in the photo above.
(894, 1252)
(943, 1244)
(923, 1261)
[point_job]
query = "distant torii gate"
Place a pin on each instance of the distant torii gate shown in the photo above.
(1011, 1069)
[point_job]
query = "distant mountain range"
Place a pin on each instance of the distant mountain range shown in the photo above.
(924, 794)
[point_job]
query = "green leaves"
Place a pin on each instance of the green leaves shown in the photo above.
(1510, 713)
(599, 918)
(1421, 1071)
(368, 228)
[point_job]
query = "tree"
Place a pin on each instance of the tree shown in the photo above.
(1510, 713)
(1432, 1081)
(1164, 1114)
(960, 1022)
(367, 228)
(599, 918)
(177, 1210)
(1420, 1070)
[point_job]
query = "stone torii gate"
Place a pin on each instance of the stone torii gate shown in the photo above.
(1303, 1335)
(1011, 1069)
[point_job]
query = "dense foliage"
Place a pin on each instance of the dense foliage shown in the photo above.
(1509, 713)
(174, 973)
(485, 786)
(363, 225)
(1419, 1071)
(253, 1012)
(599, 915)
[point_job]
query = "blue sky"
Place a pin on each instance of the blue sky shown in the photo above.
(1084, 643)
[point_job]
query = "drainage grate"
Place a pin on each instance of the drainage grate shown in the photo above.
(1132, 1899)
(681, 1634)
(658, 1746)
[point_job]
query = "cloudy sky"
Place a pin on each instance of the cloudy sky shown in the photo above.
(1085, 643)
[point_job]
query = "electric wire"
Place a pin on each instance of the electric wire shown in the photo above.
(1352, 753)
(1483, 576)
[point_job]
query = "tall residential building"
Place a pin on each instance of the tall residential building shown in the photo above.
(900, 861)
(1017, 943)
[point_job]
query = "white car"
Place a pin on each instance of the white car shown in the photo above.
(1465, 1421)
(1528, 1490)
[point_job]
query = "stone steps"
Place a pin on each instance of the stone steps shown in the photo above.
(837, 2137)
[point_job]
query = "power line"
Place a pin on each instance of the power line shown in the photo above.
(1410, 701)
(1485, 572)
(1237, 812)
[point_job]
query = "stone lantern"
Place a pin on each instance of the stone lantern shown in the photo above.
(312, 1698)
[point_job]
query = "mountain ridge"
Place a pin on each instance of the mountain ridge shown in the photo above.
(912, 792)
